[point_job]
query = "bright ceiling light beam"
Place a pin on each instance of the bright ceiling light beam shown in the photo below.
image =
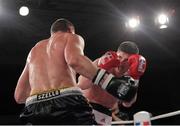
(133, 23)
(24, 11)
(162, 19)
(163, 26)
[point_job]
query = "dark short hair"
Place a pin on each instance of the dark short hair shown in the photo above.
(129, 47)
(61, 25)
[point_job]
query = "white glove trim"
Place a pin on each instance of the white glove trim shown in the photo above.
(99, 76)
(107, 80)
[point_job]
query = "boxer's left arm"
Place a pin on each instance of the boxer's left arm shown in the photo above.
(22, 90)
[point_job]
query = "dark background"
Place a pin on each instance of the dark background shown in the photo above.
(101, 24)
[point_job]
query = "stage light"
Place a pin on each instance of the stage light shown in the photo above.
(133, 22)
(162, 19)
(24, 11)
(163, 26)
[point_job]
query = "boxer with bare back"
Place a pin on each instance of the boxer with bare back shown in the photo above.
(48, 81)
(48, 86)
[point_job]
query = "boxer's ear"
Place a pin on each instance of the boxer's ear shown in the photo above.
(71, 30)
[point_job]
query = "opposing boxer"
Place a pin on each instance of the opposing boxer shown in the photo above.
(136, 62)
(48, 86)
(126, 61)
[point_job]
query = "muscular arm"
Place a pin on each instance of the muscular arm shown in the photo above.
(83, 82)
(74, 56)
(22, 90)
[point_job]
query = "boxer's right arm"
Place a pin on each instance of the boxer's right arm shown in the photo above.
(118, 87)
(74, 56)
(22, 90)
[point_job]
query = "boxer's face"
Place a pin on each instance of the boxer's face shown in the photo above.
(122, 56)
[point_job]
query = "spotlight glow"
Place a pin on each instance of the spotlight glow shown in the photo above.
(24, 11)
(163, 26)
(162, 19)
(133, 23)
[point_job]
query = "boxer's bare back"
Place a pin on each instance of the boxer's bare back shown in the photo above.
(47, 66)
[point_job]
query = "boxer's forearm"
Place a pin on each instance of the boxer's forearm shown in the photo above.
(84, 66)
(84, 83)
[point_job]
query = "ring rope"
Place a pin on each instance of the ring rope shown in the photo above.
(152, 118)
(166, 115)
(123, 122)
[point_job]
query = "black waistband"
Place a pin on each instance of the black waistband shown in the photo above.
(53, 94)
(101, 108)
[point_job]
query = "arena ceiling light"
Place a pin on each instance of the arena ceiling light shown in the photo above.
(162, 21)
(24, 11)
(133, 22)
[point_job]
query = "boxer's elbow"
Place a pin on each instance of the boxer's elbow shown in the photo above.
(82, 65)
(18, 98)
(74, 62)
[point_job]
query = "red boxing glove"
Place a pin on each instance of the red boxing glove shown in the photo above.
(137, 66)
(109, 60)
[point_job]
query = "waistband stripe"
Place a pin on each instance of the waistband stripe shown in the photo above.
(53, 94)
(48, 95)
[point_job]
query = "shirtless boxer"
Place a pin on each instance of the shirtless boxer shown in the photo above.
(48, 86)
(126, 61)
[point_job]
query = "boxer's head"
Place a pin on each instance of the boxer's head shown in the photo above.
(62, 25)
(129, 47)
(126, 49)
